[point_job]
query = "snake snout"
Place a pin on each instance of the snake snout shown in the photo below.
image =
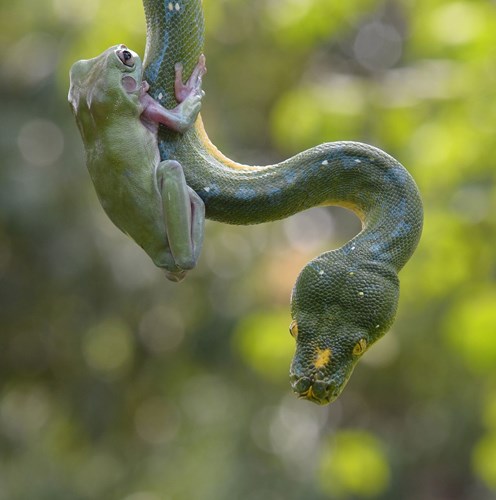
(301, 385)
(318, 391)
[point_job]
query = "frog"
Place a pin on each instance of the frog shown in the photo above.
(145, 197)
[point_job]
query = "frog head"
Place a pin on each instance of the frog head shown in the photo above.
(109, 81)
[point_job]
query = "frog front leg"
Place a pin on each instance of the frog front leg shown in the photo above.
(184, 217)
(183, 210)
(188, 95)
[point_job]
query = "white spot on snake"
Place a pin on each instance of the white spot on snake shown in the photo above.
(321, 273)
(160, 96)
(325, 162)
(358, 161)
(377, 326)
(207, 189)
(361, 294)
(246, 193)
(178, 7)
(353, 247)
(352, 273)
(170, 6)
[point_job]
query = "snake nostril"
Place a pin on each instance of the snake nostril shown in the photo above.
(320, 389)
(301, 385)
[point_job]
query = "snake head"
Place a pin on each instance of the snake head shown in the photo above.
(325, 358)
(339, 310)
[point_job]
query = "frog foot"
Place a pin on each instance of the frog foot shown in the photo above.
(194, 83)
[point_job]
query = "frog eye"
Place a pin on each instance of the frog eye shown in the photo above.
(360, 347)
(293, 329)
(126, 57)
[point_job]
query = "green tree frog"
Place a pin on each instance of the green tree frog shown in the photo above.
(146, 198)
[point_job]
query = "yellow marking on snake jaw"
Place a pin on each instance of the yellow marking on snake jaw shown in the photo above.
(307, 395)
(323, 357)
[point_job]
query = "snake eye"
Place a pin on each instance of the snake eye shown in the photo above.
(293, 329)
(126, 57)
(360, 347)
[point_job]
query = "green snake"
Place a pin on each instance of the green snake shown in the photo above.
(343, 300)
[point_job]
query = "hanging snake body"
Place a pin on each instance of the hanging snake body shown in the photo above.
(343, 300)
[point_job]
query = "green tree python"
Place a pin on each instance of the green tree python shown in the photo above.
(343, 300)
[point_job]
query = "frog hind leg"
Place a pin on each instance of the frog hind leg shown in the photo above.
(184, 217)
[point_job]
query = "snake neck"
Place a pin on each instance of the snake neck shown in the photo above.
(175, 32)
(356, 176)
(360, 177)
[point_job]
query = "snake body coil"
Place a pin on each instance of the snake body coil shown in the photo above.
(344, 300)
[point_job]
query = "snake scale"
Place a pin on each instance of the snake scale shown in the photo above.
(343, 300)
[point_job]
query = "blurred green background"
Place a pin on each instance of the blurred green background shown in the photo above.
(116, 384)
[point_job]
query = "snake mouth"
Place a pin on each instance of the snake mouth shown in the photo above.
(317, 391)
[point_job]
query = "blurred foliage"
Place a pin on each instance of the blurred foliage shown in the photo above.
(354, 463)
(116, 384)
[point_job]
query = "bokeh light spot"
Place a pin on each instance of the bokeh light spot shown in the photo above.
(457, 23)
(323, 112)
(378, 46)
(230, 256)
(288, 12)
(40, 142)
(263, 342)
(484, 460)
(74, 11)
(207, 401)
(31, 60)
(108, 347)
(469, 330)
(309, 230)
(23, 412)
(354, 463)
(295, 431)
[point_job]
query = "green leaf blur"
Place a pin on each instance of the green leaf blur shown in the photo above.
(354, 463)
(118, 385)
